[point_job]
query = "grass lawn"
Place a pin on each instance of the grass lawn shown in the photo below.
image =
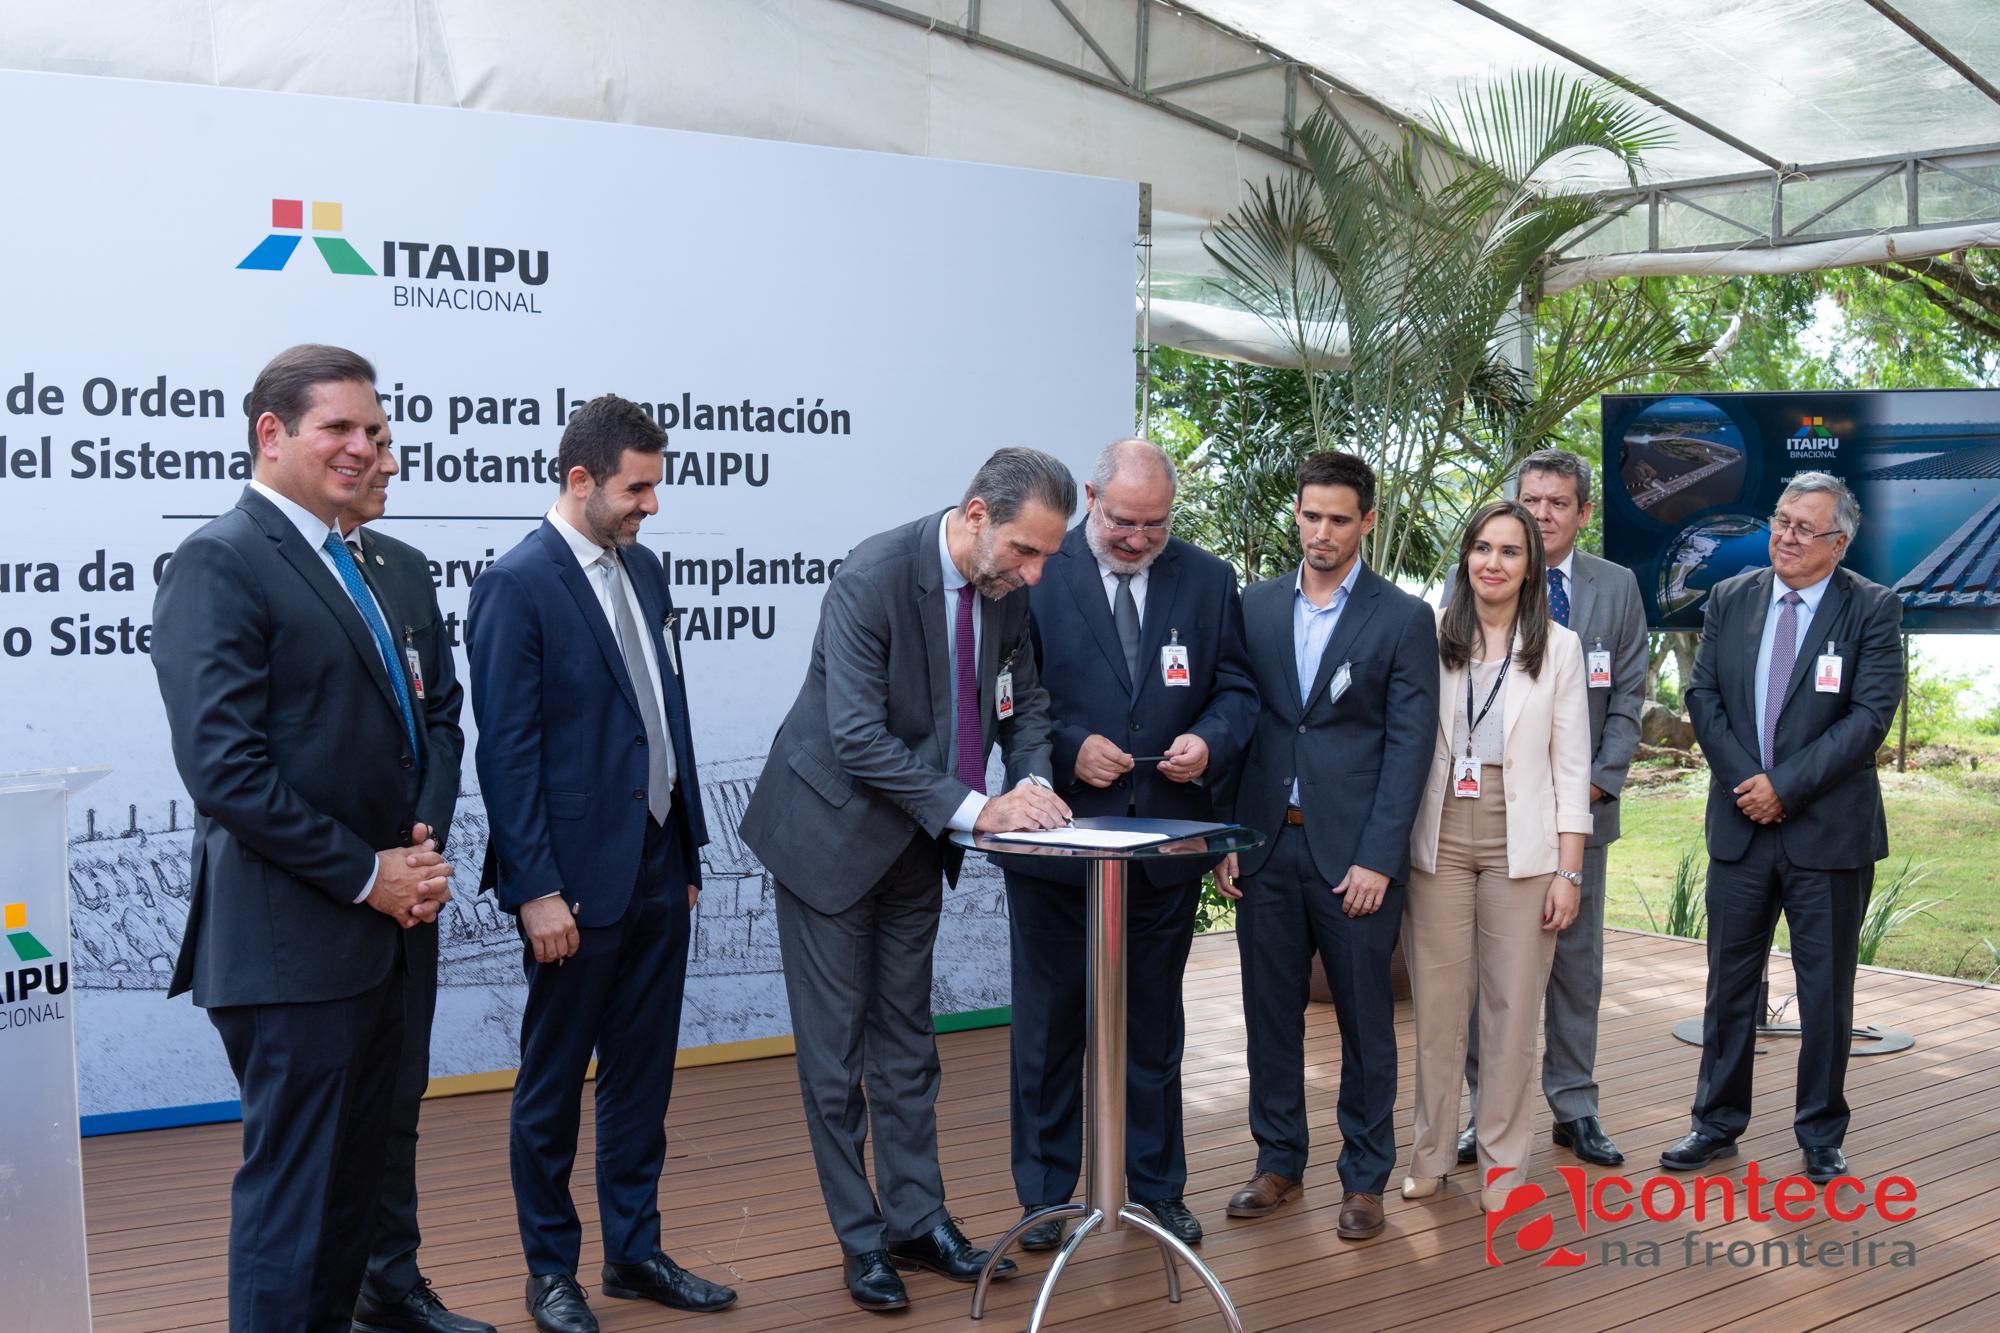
(1949, 817)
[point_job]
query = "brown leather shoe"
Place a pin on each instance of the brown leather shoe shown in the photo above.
(1360, 1216)
(1266, 1190)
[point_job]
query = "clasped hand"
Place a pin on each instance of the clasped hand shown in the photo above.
(411, 883)
(1758, 799)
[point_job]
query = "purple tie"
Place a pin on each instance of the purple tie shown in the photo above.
(1784, 652)
(971, 761)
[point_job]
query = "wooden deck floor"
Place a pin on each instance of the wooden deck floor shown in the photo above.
(741, 1203)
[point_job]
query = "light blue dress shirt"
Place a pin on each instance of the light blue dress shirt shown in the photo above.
(1810, 598)
(968, 810)
(1312, 630)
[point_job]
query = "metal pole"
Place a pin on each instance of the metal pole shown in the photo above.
(1145, 310)
(1104, 1157)
(1903, 713)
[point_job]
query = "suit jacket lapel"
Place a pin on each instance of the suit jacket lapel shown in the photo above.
(577, 583)
(1515, 690)
(1813, 639)
(653, 616)
(303, 559)
(1160, 616)
(1451, 688)
(1080, 574)
(930, 610)
(1360, 606)
(1272, 613)
(1582, 600)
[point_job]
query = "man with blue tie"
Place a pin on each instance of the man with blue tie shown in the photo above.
(586, 760)
(1799, 672)
(294, 731)
(1139, 637)
(1600, 601)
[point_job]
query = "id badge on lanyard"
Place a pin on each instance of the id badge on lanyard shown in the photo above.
(1465, 771)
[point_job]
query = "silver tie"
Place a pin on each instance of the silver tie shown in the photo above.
(1125, 615)
(659, 748)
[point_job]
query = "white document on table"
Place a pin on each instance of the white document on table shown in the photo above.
(1091, 839)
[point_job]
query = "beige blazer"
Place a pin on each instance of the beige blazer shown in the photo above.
(1547, 760)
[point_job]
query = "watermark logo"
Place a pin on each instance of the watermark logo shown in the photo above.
(1754, 1197)
(288, 219)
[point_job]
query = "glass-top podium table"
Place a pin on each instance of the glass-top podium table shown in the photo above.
(1105, 1207)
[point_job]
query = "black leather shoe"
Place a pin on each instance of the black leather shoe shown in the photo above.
(661, 1279)
(557, 1304)
(1823, 1164)
(420, 1311)
(1468, 1147)
(1045, 1236)
(1175, 1217)
(946, 1252)
(1585, 1137)
(1696, 1150)
(872, 1282)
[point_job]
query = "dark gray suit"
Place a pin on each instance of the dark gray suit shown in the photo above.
(849, 816)
(1605, 612)
(401, 578)
(1818, 862)
(287, 736)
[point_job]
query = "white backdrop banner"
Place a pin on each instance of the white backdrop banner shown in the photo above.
(792, 316)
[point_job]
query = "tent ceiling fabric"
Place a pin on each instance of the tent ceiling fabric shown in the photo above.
(1878, 133)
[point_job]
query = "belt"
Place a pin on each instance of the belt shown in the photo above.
(1294, 815)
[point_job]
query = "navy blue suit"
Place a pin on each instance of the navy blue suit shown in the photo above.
(1192, 596)
(562, 764)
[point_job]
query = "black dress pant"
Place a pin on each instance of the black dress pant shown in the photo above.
(1049, 950)
(1289, 912)
(1823, 909)
(393, 1242)
(620, 994)
(316, 1081)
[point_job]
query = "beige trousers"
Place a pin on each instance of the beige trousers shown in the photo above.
(1469, 922)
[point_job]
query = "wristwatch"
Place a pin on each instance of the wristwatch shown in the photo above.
(1573, 876)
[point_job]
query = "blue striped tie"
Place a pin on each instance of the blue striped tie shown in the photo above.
(350, 574)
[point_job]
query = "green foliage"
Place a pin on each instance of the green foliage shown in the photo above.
(1687, 903)
(1888, 908)
(1236, 433)
(1395, 276)
(1988, 723)
(1932, 701)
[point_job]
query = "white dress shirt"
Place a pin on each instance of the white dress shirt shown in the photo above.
(603, 571)
(315, 533)
(1109, 577)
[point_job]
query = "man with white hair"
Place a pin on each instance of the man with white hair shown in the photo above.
(1139, 637)
(1798, 675)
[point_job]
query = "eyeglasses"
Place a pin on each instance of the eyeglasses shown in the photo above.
(1147, 529)
(1784, 527)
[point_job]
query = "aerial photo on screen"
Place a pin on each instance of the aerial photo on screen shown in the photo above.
(1681, 455)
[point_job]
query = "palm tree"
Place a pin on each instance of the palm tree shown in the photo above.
(1420, 266)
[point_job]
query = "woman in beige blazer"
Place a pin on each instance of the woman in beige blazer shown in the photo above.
(1497, 848)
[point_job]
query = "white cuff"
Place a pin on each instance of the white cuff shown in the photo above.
(369, 887)
(966, 817)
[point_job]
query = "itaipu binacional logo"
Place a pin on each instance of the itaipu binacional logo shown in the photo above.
(425, 275)
(28, 992)
(1812, 440)
(1599, 1207)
